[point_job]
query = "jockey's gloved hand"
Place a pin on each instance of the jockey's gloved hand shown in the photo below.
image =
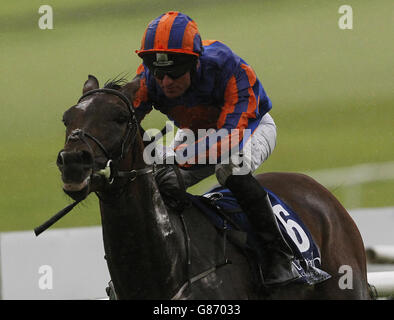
(166, 178)
(165, 175)
(171, 186)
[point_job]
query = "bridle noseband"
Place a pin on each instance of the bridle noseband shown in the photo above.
(79, 134)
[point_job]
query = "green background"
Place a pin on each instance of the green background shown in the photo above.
(332, 89)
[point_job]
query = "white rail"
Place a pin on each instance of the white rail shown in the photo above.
(351, 179)
(354, 175)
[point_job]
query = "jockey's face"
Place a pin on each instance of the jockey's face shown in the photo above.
(174, 88)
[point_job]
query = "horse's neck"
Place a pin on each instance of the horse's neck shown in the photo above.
(141, 243)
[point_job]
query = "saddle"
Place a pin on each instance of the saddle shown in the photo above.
(222, 209)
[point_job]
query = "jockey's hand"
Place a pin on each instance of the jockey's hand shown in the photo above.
(170, 187)
(166, 178)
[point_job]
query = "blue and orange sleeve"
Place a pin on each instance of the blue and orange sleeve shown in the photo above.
(241, 100)
(241, 107)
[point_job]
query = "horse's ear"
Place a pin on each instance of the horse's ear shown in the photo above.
(90, 84)
(131, 88)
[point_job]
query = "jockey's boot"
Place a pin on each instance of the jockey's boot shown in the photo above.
(277, 267)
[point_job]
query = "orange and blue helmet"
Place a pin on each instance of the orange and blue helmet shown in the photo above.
(171, 32)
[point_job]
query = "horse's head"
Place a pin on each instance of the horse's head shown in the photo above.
(99, 128)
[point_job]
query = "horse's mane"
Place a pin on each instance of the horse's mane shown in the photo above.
(117, 82)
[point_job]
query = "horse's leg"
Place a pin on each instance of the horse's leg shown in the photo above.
(332, 228)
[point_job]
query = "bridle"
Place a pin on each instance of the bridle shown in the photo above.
(132, 124)
(110, 171)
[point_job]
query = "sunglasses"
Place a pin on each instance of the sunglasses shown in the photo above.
(173, 73)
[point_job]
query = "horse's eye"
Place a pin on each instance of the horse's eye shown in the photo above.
(65, 122)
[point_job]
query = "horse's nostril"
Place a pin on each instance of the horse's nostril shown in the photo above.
(60, 160)
(77, 158)
(87, 158)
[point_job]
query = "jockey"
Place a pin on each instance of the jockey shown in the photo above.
(205, 85)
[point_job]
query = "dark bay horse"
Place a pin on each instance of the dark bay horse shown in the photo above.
(147, 245)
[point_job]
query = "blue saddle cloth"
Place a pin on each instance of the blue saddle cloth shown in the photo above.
(306, 252)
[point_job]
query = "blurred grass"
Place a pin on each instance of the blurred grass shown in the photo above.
(332, 89)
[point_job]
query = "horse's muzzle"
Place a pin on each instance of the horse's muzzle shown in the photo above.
(76, 168)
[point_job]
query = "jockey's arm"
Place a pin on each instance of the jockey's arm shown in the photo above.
(240, 111)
